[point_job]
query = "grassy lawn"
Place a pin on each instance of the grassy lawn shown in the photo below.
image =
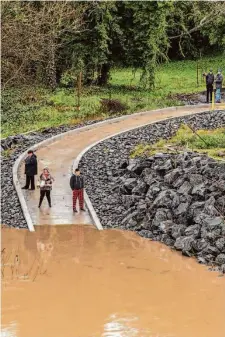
(211, 142)
(34, 108)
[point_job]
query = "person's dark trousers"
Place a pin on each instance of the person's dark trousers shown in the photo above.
(30, 180)
(48, 196)
(209, 88)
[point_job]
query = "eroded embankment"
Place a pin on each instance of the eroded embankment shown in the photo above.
(124, 194)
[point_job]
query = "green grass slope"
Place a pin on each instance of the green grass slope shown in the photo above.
(33, 108)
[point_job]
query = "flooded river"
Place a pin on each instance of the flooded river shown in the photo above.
(75, 281)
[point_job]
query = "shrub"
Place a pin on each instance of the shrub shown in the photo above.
(112, 106)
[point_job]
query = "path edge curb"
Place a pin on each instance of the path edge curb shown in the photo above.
(51, 140)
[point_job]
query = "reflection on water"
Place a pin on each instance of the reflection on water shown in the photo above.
(120, 327)
(9, 331)
(75, 281)
(19, 265)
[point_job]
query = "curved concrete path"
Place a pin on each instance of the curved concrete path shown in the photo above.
(60, 154)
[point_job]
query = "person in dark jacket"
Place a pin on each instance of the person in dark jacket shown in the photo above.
(209, 79)
(219, 84)
(46, 181)
(77, 186)
(30, 170)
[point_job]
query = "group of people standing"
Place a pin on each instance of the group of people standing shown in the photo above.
(46, 180)
(210, 80)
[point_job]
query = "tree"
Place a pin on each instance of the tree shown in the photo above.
(196, 23)
(131, 33)
(94, 45)
(45, 40)
(32, 34)
(147, 41)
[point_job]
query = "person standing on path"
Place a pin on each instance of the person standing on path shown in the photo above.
(45, 186)
(219, 84)
(209, 78)
(30, 170)
(77, 186)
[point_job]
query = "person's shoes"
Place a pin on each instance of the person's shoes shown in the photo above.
(82, 209)
(74, 210)
(25, 188)
(50, 205)
(39, 206)
(32, 189)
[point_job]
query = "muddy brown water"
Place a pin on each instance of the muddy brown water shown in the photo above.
(75, 281)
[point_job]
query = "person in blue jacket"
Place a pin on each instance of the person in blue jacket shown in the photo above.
(219, 84)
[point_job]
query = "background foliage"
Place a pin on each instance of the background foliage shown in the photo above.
(137, 53)
(49, 42)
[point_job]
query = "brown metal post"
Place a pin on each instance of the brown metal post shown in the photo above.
(197, 75)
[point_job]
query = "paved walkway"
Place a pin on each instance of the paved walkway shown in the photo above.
(59, 157)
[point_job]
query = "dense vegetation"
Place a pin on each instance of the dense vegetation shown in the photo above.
(52, 41)
(211, 142)
(60, 58)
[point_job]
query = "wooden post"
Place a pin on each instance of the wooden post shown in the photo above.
(197, 75)
(79, 78)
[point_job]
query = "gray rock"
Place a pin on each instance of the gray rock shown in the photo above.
(196, 179)
(166, 166)
(220, 259)
(184, 243)
(199, 245)
(130, 183)
(137, 166)
(177, 231)
(222, 268)
(193, 231)
(170, 177)
(181, 209)
(131, 223)
(210, 207)
(199, 190)
(162, 214)
(166, 226)
(220, 244)
(140, 189)
(163, 199)
(130, 200)
(153, 190)
(213, 223)
(185, 188)
(195, 209)
(210, 250)
(201, 260)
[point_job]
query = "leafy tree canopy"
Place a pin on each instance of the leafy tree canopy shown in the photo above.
(51, 41)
